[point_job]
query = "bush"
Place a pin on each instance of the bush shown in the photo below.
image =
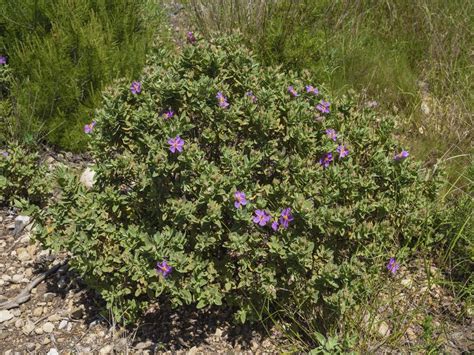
(63, 53)
(156, 200)
(22, 177)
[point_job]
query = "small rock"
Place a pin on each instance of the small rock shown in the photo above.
(17, 278)
(5, 315)
(38, 311)
(46, 341)
(30, 346)
(28, 328)
(29, 272)
(218, 332)
(49, 296)
(48, 327)
(106, 349)
(383, 329)
(8, 352)
(19, 323)
(411, 334)
(54, 318)
(143, 345)
(31, 249)
(22, 254)
(39, 331)
(193, 351)
(63, 324)
(87, 178)
(52, 351)
(20, 223)
(16, 312)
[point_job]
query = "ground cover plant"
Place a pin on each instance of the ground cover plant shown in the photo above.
(61, 55)
(221, 181)
(22, 177)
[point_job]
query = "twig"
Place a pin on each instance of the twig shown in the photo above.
(24, 295)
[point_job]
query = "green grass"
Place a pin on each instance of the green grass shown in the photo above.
(404, 54)
(62, 54)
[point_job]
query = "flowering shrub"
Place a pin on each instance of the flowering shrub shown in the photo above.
(251, 191)
(22, 176)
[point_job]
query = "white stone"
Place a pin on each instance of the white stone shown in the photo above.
(384, 329)
(20, 223)
(17, 278)
(108, 349)
(63, 324)
(28, 328)
(48, 327)
(87, 178)
(5, 315)
(53, 351)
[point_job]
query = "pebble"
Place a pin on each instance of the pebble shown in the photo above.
(22, 254)
(87, 178)
(48, 327)
(77, 313)
(28, 328)
(39, 331)
(144, 344)
(5, 315)
(49, 296)
(46, 341)
(20, 223)
(106, 349)
(63, 324)
(30, 346)
(54, 318)
(17, 278)
(38, 311)
(19, 323)
(384, 329)
(53, 351)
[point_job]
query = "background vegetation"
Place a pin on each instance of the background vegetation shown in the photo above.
(413, 57)
(61, 54)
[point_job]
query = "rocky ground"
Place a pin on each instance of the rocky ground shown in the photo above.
(62, 316)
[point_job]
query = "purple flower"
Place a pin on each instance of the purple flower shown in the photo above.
(163, 268)
(326, 160)
(342, 150)
(323, 106)
(3, 60)
(168, 114)
(286, 217)
(292, 91)
(5, 153)
(252, 97)
(275, 225)
(310, 89)
(393, 266)
(222, 100)
(190, 37)
(240, 199)
(401, 156)
(261, 217)
(136, 87)
(332, 134)
(88, 128)
(176, 144)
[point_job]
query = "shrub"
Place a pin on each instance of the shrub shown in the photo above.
(22, 177)
(173, 156)
(62, 54)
